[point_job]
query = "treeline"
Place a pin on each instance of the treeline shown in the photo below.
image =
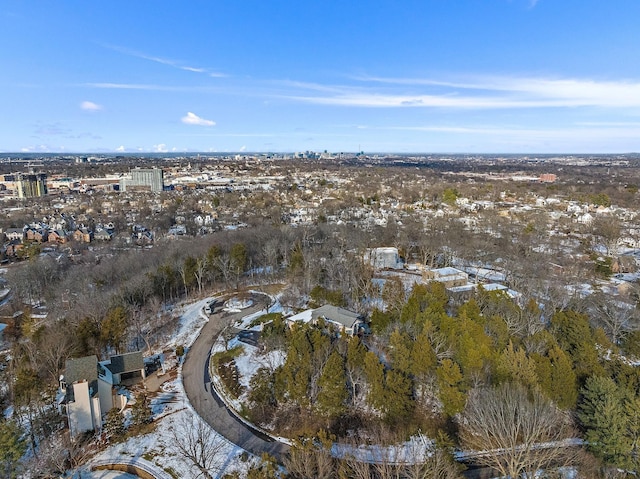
(104, 302)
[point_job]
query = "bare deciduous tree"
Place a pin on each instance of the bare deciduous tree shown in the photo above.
(616, 317)
(608, 229)
(515, 431)
(311, 458)
(197, 442)
(200, 272)
(430, 460)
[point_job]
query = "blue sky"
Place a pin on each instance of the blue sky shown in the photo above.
(458, 76)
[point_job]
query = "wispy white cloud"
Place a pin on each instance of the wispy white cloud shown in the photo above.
(381, 100)
(121, 149)
(229, 135)
(479, 93)
(527, 133)
(193, 119)
(134, 86)
(90, 106)
(163, 61)
(193, 69)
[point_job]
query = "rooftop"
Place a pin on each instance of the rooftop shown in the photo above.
(80, 369)
(335, 314)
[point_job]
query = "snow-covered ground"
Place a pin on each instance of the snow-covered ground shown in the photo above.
(247, 320)
(192, 319)
(250, 358)
(235, 305)
(248, 363)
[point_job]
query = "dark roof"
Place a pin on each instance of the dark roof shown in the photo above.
(338, 315)
(79, 369)
(124, 363)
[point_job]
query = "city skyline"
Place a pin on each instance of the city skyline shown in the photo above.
(511, 76)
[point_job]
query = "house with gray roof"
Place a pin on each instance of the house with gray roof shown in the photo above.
(342, 319)
(125, 369)
(89, 389)
(79, 395)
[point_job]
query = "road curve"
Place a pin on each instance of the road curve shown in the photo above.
(197, 385)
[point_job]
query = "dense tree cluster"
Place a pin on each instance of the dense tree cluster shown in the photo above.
(431, 365)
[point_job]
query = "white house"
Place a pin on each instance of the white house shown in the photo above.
(383, 258)
(87, 388)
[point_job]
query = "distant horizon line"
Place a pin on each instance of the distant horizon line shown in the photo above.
(267, 152)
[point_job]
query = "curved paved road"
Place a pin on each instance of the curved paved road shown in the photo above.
(197, 384)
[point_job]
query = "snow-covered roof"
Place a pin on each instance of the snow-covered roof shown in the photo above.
(305, 317)
(448, 271)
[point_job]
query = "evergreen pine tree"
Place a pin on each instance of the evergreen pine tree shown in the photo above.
(423, 357)
(414, 304)
(113, 424)
(113, 328)
(576, 338)
(543, 373)
(602, 412)
(12, 447)
(564, 385)
(400, 351)
(632, 408)
(332, 383)
(296, 371)
(374, 374)
(449, 381)
(141, 413)
(355, 353)
(398, 394)
(515, 365)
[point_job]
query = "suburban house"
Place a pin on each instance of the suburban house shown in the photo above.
(89, 389)
(102, 235)
(37, 235)
(449, 277)
(124, 369)
(383, 258)
(13, 246)
(342, 319)
(83, 235)
(624, 264)
(14, 234)
(79, 395)
(58, 236)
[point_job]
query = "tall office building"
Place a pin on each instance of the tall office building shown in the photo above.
(143, 179)
(31, 185)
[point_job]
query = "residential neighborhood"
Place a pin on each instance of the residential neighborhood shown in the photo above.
(379, 291)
